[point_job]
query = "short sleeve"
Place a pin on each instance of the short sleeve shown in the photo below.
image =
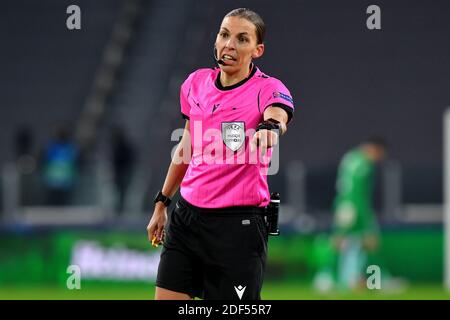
(184, 96)
(274, 93)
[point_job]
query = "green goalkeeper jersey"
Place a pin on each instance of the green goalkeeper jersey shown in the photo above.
(353, 213)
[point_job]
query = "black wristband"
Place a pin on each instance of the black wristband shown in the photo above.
(269, 124)
(160, 197)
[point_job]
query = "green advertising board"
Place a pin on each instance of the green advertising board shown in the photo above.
(126, 256)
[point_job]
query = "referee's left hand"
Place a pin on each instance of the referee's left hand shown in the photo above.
(155, 228)
(263, 139)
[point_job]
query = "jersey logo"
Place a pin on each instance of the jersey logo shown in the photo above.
(233, 134)
(215, 107)
(195, 102)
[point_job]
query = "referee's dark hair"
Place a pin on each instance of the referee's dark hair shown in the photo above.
(254, 18)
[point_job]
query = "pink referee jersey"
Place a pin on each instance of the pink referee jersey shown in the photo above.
(222, 172)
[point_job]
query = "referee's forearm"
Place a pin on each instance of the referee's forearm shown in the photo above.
(278, 114)
(178, 166)
(174, 177)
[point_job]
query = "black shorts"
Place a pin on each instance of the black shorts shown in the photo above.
(214, 253)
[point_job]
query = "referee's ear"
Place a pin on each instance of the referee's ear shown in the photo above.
(259, 51)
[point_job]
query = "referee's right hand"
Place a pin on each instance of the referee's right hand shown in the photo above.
(156, 225)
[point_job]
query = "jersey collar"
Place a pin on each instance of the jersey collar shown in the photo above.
(234, 86)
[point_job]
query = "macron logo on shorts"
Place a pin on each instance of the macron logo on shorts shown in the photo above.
(240, 291)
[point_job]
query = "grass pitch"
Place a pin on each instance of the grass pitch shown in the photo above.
(271, 291)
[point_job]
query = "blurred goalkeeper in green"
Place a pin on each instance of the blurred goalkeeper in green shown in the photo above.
(355, 228)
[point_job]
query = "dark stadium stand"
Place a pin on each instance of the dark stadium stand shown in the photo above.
(47, 70)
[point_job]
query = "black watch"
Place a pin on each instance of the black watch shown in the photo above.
(160, 197)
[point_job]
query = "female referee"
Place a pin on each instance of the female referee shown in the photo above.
(215, 240)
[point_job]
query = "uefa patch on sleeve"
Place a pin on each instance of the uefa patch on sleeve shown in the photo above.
(277, 94)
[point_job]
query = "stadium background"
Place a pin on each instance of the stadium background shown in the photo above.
(124, 68)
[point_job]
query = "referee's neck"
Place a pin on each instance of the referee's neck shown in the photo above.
(227, 80)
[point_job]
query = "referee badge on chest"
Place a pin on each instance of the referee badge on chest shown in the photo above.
(233, 134)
